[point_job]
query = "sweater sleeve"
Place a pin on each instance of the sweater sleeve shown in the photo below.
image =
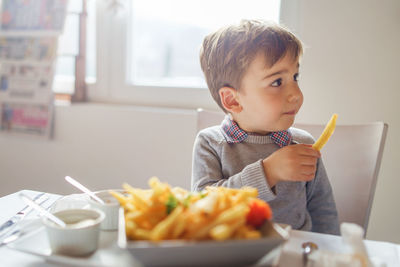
(207, 171)
(321, 204)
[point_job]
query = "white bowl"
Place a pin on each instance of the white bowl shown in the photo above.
(75, 240)
(110, 209)
(73, 201)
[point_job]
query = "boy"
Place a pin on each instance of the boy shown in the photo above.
(252, 71)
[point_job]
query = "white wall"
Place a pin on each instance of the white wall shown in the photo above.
(350, 67)
(102, 146)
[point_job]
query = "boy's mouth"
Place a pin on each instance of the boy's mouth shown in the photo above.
(291, 112)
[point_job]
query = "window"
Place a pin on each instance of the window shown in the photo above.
(166, 35)
(68, 47)
(148, 53)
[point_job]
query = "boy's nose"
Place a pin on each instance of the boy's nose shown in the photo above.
(295, 94)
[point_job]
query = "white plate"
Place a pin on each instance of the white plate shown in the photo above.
(205, 253)
(107, 254)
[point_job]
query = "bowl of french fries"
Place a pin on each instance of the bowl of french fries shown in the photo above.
(165, 226)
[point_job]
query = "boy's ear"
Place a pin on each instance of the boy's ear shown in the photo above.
(229, 100)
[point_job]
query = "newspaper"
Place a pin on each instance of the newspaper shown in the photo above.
(28, 48)
(33, 15)
(29, 32)
(33, 119)
(26, 82)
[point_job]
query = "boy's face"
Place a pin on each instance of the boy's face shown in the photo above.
(269, 97)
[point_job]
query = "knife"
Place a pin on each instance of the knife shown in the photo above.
(10, 224)
(12, 237)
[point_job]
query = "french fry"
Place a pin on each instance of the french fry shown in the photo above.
(228, 216)
(130, 226)
(225, 231)
(179, 227)
(221, 232)
(120, 197)
(133, 215)
(223, 202)
(232, 214)
(158, 188)
(252, 234)
(326, 134)
(140, 234)
(246, 232)
(129, 206)
(203, 229)
(162, 228)
(139, 197)
(144, 223)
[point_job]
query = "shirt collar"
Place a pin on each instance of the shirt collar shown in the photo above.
(234, 134)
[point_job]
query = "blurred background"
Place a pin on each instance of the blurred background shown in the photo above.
(135, 115)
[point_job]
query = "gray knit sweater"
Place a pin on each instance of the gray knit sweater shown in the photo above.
(304, 205)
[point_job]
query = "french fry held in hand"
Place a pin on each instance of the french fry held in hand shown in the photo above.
(217, 213)
(326, 134)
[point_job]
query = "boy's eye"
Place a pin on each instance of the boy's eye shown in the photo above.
(277, 83)
(296, 77)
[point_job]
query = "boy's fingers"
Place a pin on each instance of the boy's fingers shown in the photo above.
(309, 151)
(307, 160)
(306, 177)
(308, 170)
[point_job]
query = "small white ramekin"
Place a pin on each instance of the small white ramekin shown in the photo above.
(74, 241)
(110, 209)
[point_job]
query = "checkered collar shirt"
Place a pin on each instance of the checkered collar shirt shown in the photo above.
(234, 134)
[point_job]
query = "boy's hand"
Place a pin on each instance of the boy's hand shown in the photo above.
(291, 163)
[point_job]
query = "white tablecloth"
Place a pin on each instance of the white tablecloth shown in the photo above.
(290, 254)
(382, 252)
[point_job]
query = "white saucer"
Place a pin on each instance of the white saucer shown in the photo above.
(108, 253)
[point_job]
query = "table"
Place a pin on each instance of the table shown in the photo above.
(386, 252)
(290, 253)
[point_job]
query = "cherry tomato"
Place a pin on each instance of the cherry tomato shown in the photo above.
(259, 212)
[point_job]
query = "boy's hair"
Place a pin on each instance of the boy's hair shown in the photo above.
(226, 54)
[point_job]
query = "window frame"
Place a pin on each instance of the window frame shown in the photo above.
(64, 86)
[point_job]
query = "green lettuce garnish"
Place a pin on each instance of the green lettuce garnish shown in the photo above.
(171, 204)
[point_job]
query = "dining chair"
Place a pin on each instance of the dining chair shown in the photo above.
(352, 158)
(207, 118)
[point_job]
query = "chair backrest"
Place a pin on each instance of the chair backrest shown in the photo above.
(352, 159)
(207, 118)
